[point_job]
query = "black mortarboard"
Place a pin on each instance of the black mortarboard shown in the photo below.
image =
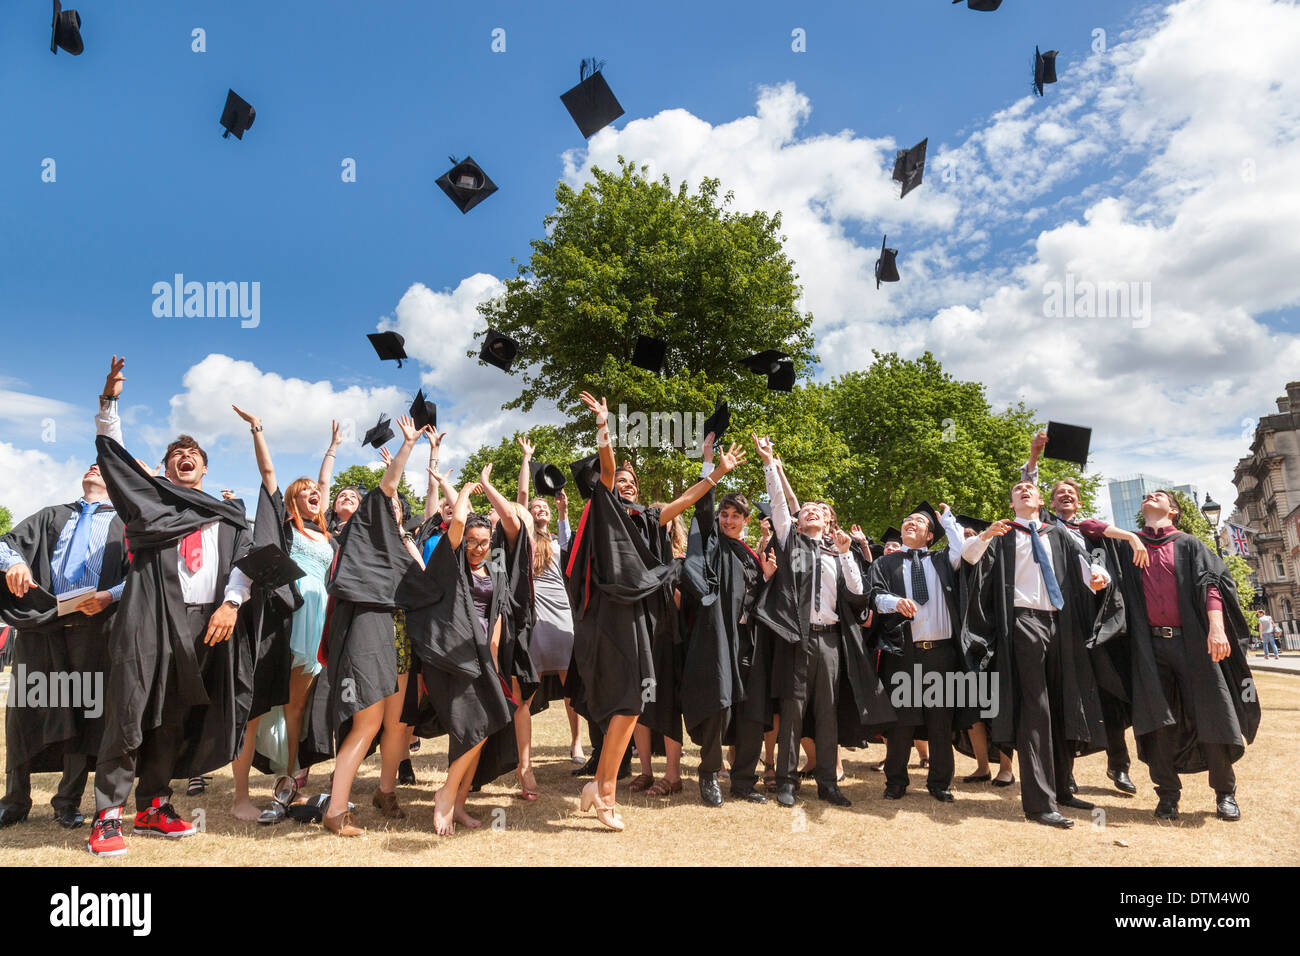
(499, 350)
(764, 363)
(423, 411)
(1068, 443)
(310, 811)
(591, 103)
(886, 268)
(238, 115)
(717, 422)
(649, 353)
(935, 524)
(270, 567)
(412, 524)
(65, 30)
(378, 435)
(388, 345)
(909, 166)
(764, 509)
(466, 184)
(782, 380)
(986, 6)
(1044, 69)
(547, 479)
(891, 534)
(586, 474)
(978, 525)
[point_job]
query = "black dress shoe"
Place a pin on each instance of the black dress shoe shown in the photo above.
(1226, 808)
(69, 818)
(751, 795)
(1074, 803)
(406, 773)
(588, 769)
(1052, 819)
(893, 792)
(977, 778)
(1167, 808)
(11, 815)
(832, 795)
(1122, 781)
(943, 796)
(785, 794)
(710, 792)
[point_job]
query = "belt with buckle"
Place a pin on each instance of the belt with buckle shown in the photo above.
(927, 645)
(823, 628)
(1167, 632)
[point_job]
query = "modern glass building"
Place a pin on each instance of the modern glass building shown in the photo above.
(1126, 496)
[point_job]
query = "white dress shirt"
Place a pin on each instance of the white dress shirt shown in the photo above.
(931, 622)
(1030, 586)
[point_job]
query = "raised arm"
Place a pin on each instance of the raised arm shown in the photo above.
(393, 473)
(107, 422)
(260, 451)
(780, 503)
(459, 512)
(327, 463)
(506, 513)
(521, 495)
(603, 443)
(733, 457)
(790, 498)
(431, 493)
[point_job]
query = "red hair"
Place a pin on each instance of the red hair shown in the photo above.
(291, 509)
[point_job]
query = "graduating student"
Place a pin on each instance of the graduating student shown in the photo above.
(818, 659)
(180, 677)
(919, 596)
(1028, 618)
(617, 570)
(1193, 699)
(462, 610)
(57, 550)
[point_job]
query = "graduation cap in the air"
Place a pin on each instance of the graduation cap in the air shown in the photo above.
(380, 434)
(1068, 443)
(270, 567)
(776, 365)
(1044, 69)
(978, 525)
(548, 480)
(423, 411)
(237, 116)
(986, 6)
(935, 524)
(764, 509)
(909, 166)
(717, 422)
(591, 103)
(65, 31)
(886, 267)
(586, 474)
(466, 184)
(499, 350)
(388, 345)
(649, 353)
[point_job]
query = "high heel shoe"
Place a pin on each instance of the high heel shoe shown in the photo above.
(526, 792)
(605, 814)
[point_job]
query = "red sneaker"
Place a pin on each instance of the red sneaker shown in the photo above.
(106, 834)
(161, 819)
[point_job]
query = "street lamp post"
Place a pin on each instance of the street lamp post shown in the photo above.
(1211, 510)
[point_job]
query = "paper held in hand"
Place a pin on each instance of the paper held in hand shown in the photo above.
(69, 600)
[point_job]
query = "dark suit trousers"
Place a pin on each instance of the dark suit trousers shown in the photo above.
(940, 659)
(749, 747)
(160, 747)
(711, 732)
(1040, 742)
(76, 769)
(1176, 687)
(823, 676)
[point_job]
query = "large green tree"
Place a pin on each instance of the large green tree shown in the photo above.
(367, 479)
(551, 447)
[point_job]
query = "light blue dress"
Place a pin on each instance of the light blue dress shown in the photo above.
(314, 557)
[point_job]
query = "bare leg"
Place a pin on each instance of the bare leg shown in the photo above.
(642, 737)
(394, 745)
(365, 724)
(979, 743)
(575, 741)
(300, 685)
(524, 742)
(243, 808)
(446, 798)
(673, 749)
(617, 737)
(460, 814)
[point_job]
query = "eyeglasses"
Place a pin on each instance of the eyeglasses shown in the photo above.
(477, 546)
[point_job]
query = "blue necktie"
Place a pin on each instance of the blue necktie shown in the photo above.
(1045, 565)
(74, 562)
(920, 593)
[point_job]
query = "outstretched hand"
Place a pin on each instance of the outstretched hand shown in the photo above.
(113, 384)
(252, 419)
(409, 432)
(733, 456)
(764, 446)
(600, 408)
(528, 447)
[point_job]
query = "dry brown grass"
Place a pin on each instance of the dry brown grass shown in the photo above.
(984, 827)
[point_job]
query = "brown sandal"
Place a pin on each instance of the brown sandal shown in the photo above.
(387, 805)
(663, 787)
(641, 781)
(342, 825)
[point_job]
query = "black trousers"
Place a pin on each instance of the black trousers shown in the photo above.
(711, 733)
(1112, 716)
(939, 659)
(156, 757)
(749, 747)
(823, 676)
(18, 785)
(1171, 666)
(1040, 728)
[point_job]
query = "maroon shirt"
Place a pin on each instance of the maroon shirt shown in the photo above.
(1160, 582)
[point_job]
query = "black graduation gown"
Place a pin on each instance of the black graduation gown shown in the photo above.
(149, 652)
(989, 626)
(783, 614)
(38, 737)
(1225, 703)
(619, 579)
(719, 583)
(465, 697)
(898, 654)
(270, 612)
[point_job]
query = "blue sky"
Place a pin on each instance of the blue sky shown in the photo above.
(146, 187)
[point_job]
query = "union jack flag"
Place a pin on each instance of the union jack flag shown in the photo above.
(1238, 540)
